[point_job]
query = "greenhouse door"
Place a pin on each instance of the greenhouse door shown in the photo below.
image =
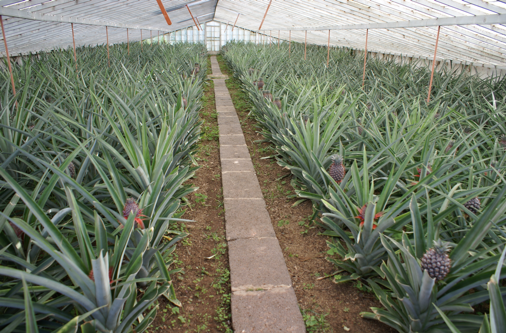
(213, 36)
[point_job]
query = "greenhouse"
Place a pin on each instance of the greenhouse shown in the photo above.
(253, 166)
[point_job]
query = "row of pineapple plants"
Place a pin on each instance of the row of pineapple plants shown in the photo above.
(93, 162)
(412, 193)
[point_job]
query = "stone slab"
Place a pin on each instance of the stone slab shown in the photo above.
(257, 263)
(226, 109)
(228, 120)
(234, 152)
(267, 311)
(221, 103)
(241, 185)
(227, 114)
(247, 218)
(235, 165)
(227, 140)
(227, 129)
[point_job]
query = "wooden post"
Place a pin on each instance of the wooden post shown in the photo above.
(289, 42)
(107, 36)
(128, 43)
(151, 36)
(305, 46)
(141, 40)
(269, 6)
(235, 21)
(433, 64)
(164, 12)
(192, 17)
(74, 43)
(279, 34)
(8, 57)
(328, 50)
(365, 56)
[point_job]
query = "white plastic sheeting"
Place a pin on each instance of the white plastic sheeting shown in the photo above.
(35, 25)
(479, 44)
(472, 32)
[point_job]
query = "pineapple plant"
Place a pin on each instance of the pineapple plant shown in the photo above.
(337, 170)
(436, 260)
(473, 205)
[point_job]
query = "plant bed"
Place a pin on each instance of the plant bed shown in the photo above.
(203, 286)
(325, 306)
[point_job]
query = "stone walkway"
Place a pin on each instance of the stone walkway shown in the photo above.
(263, 299)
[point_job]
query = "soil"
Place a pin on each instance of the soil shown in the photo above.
(203, 287)
(326, 306)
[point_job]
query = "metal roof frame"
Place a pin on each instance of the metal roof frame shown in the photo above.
(474, 31)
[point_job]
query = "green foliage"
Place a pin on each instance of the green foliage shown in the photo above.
(410, 168)
(127, 133)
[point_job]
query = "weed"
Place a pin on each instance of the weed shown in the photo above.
(315, 322)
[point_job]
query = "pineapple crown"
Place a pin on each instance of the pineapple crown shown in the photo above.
(336, 158)
(441, 247)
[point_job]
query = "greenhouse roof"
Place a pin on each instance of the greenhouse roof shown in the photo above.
(472, 31)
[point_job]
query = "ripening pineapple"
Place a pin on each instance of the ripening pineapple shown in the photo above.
(185, 103)
(251, 71)
(277, 102)
(92, 276)
(260, 84)
(72, 170)
(473, 205)
(449, 146)
(337, 170)
(132, 207)
(502, 141)
(196, 70)
(360, 129)
(436, 260)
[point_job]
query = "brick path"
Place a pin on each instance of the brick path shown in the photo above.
(263, 299)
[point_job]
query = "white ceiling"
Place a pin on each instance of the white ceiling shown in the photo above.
(472, 31)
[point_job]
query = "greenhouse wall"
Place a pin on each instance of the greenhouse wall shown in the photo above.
(216, 34)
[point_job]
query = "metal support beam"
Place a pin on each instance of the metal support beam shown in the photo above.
(192, 17)
(8, 57)
(164, 12)
(235, 21)
(328, 50)
(24, 14)
(433, 65)
(444, 21)
(74, 43)
(365, 56)
(269, 6)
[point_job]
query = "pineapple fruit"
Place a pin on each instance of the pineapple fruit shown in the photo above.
(260, 84)
(277, 102)
(337, 170)
(473, 205)
(132, 207)
(436, 260)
